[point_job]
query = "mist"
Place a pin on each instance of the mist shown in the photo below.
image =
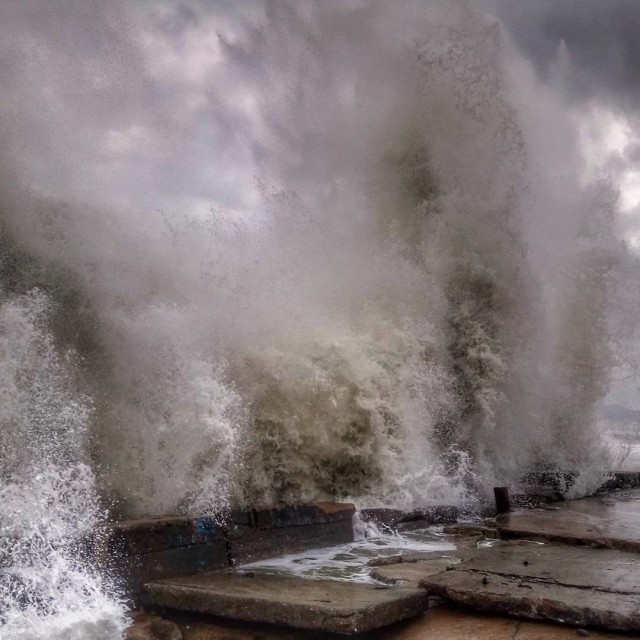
(302, 251)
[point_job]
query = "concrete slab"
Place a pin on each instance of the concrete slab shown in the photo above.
(407, 569)
(320, 605)
(580, 586)
(447, 623)
(440, 623)
(610, 521)
(411, 573)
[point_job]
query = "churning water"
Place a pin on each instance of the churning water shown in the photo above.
(414, 304)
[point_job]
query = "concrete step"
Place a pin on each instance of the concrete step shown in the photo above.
(316, 605)
(568, 584)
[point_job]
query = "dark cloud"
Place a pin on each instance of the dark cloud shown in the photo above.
(602, 39)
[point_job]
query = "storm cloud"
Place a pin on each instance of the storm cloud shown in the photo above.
(123, 104)
(602, 47)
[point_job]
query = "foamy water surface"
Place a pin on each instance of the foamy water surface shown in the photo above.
(348, 562)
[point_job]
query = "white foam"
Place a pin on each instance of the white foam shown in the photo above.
(348, 562)
(47, 491)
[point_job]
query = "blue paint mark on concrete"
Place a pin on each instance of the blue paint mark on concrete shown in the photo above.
(206, 526)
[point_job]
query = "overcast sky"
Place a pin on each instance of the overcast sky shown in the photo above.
(591, 50)
(601, 40)
(134, 91)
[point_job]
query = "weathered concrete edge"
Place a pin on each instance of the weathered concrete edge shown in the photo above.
(619, 544)
(247, 544)
(145, 549)
(289, 614)
(393, 518)
(533, 606)
(291, 515)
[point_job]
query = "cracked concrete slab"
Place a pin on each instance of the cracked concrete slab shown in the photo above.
(573, 585)
(321, 605)
(410, 573)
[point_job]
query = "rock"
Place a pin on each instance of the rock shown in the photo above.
(622, 480)
(412, 525)
(384, 561)
(144, 549)
(151, 627)
(485, 528)
(397, 520)
(267, 532)
(443, 622)
(146, 535)
(164, 629)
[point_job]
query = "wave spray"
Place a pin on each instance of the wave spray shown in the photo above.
(413, 305)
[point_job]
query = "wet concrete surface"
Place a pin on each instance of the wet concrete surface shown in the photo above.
(609, 521)
(586, 573)
(443, 622)
(146, 626)
(410, 573)
(324, 605)
(575, 585)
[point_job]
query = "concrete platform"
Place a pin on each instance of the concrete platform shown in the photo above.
(411, 573)
(440, 623)
(408, 569)
(147, 549)
(317, 605)
(572, 585)
(609, 521)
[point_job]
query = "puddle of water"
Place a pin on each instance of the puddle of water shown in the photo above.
(348, 562)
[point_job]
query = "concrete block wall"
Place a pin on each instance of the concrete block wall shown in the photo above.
(256, 534)
(147, 549)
